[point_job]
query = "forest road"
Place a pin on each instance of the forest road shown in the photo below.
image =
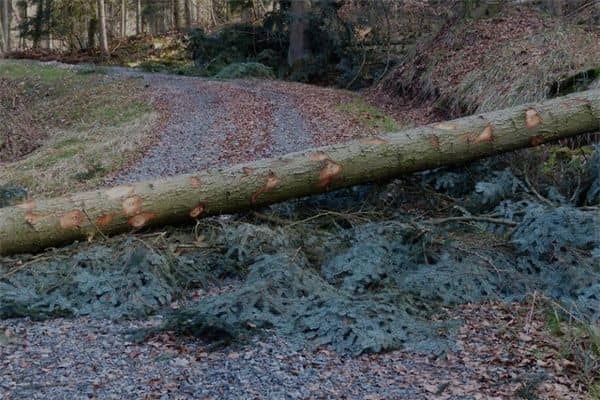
(212, 123)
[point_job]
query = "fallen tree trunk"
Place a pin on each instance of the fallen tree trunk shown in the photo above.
(37, 225)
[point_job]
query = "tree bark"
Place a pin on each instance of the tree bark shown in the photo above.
(211, 10)
(298, 48)
(2, 42)
(38, 24)
(138, 17)
(6, 22)
(123, 18)
(102, 31)
(188, 14)
(178, 14)
(36, 225)
(48, 17)
(92, 29)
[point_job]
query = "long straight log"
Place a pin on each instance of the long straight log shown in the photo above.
(38, 224)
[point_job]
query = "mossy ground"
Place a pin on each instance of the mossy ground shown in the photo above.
(369, 116)
(85, 125)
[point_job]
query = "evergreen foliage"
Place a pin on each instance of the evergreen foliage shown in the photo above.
(352, 282)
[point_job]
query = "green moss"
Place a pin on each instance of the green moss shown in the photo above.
(111, 113)
(594, 390)
(56, 156)
(245, 70)
(177, 67)
(369, 116)
(67, 142)
(91, 125)
(46, 74)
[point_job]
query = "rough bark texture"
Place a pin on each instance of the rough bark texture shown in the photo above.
(6, 23)
(298, 48)
(138, 17)
(36, 225)
(102, 32)
(188, 14)
(123, 18)
(178, 14)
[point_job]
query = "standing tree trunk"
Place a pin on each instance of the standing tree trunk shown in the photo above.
(6, 22)
(38, 24)
(211, 10)
(178, 14)
(36, 225)
(48, 18)
(123, 18)
(188, 14)
(298, 49)
(2, 42)
(91, 32)
(23, 16)
(138, 17)
(102, 31)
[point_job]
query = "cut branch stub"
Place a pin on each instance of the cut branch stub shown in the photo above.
(141, 220)
(328, 173)
(39, 224)
(532, 119)
(271, 183)
(132, 205)
(487, 135)
(72, 220)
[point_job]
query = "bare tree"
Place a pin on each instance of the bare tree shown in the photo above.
(102, 31)
(188, 13)
(2, 45)
(138, 17)
(6, 20)
(298, 31)
(178, 14)
(123, 18)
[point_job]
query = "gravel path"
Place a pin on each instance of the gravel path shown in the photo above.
(187, 143)
(86, 358)
(107, 366)
(211, 123)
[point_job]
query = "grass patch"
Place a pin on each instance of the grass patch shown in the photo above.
(579, 344)
(107, 112)
(369, 116)
(245, 70)
(56, 167)
(45, 74)
(87, 126)
(483, 64)
(177, 67)
(502, 80)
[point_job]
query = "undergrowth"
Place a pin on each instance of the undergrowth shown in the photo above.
(369, 116)
(578, 343)
(359, 270)
(57, 137)
(489, 63)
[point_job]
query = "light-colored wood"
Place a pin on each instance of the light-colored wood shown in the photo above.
(38, 224)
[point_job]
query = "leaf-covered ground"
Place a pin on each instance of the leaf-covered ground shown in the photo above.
(508, 353)
(349, 248)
